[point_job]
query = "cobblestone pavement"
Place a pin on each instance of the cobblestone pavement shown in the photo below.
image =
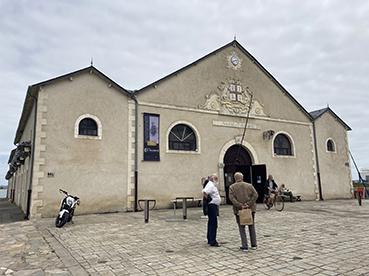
(307, 238)
(24, 251)
(9, 212)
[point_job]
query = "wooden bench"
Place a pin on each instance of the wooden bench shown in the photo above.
(287, 198)
(196, 202)
(185, 200)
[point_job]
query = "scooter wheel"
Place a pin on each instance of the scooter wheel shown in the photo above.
(60, 221)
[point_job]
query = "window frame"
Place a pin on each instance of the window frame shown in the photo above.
(98, 123)
(333, 143)
(292, 145)
(195, 131)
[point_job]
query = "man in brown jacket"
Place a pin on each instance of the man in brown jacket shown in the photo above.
(243, 195)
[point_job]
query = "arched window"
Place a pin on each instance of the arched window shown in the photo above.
(330, 145)
(88, 127)
(182, 137)
(282, 145)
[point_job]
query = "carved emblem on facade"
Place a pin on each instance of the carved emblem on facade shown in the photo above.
(234, 61)
(232, 97)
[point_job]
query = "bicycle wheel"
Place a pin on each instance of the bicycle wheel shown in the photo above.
(279, 203)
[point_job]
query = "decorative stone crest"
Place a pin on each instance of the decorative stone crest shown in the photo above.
(232, 97)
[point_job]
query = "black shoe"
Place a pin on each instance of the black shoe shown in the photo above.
(244, 249)
(216, 244)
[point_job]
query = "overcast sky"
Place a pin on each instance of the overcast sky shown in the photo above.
(318, 50)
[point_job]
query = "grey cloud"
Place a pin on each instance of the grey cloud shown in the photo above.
(316, 49)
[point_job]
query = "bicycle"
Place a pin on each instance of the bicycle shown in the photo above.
(278, 202)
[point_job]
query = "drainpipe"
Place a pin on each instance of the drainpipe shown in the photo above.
(317, 164)
(29, 196)
(14, 186)
(133, 96)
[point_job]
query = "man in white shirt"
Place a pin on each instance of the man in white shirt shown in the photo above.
(212, 195)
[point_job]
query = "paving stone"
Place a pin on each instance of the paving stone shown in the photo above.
(32, 272)
(309, 242)
(57, 272)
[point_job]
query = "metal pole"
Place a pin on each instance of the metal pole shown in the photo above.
(184, 207)
(135, 207)
(244, 129)
(361, 180)
(33, 146)
(353, 160)
(146, 211)
(317, 164)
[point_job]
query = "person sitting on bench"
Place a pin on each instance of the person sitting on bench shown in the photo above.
(285, 192)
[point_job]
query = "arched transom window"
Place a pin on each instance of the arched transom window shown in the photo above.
(282, 145)
(182, 137)
(330, 145)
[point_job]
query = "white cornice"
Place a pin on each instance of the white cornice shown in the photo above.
(189, 109)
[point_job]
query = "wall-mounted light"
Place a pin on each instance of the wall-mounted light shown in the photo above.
(24, 146)
(268, 134)
(12, 168)
(8, 175)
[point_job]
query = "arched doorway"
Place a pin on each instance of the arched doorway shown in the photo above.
(236, 159)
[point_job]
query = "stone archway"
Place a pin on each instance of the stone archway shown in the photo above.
(236, 159)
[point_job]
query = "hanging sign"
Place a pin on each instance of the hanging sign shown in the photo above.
(151, 137)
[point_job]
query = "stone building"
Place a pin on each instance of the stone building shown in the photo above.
(86, 134)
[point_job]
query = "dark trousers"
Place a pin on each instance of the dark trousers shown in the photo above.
(205, 206)
(242, 231)
(212, 223)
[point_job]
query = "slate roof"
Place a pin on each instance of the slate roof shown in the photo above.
(318, 113)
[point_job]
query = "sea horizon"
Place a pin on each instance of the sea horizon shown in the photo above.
(3, 193)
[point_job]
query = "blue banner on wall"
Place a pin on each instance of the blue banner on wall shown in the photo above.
(151, 137)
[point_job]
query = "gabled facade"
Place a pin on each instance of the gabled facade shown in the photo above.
(62, 158)
(333, 153)
(159, 141)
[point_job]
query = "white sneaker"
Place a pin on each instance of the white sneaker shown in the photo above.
(254, 247)
(204, 217)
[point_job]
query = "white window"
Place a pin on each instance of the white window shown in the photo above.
(88, 126)
(183, 137)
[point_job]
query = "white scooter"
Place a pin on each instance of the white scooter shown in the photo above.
(68, 204)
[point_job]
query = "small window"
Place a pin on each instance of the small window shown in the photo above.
(330, 145)
(282, 145)
(183, 138)
(88, 127)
